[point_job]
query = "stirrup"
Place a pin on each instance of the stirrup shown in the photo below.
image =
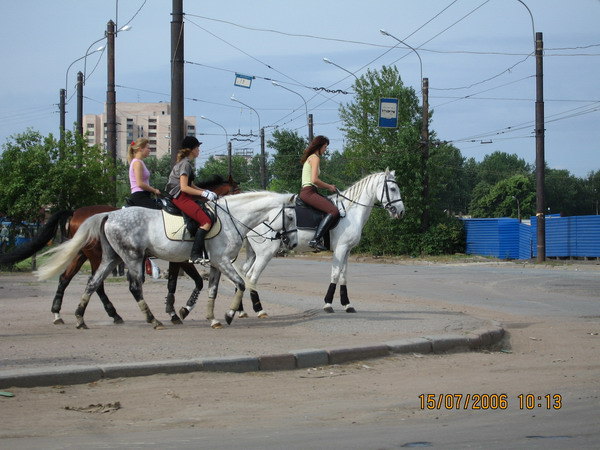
(198, 260)
(317, 245)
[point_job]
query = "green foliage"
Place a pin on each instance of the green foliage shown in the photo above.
(242, 171)
(285, 167)
(505, 198)
(39, 173)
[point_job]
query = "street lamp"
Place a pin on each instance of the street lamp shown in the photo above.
(227, 144)
(424, 133)
(125, 28)
(538, 48)
(308, 121)
(385, 33)
(518, 208)
(328, 61)
(99, 49)
(263, 166)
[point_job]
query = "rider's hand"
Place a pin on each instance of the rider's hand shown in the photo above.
(210, 195)
(332, 188)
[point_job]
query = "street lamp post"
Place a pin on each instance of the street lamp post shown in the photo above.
(424, 133)
(538, 48)
(263, 165)
(63, 92)
(229, 164)
(518, 208)
(308, 121)
(328, 61)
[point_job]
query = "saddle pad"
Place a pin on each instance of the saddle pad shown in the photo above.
(175, 228)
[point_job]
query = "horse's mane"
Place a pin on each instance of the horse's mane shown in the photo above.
(354, 191)
(211, 181)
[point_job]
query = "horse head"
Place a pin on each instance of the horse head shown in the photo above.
(390, 196)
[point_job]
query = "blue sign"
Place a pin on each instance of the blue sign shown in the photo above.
(244, 81)
(388, 113)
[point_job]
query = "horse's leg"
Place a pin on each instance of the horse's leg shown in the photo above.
(338, 275)
(63, 283)
(93, 283)
(345, 301)
(135, 275)
(191, 270)
(94, 254)
(171, 288)
(213, 287)
(250, 258)
(226, 268)
(253, 274)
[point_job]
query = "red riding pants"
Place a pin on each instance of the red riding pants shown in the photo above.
(188, 205)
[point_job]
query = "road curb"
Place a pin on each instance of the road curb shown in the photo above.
(295, 359)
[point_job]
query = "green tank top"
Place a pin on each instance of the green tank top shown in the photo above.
(306, 173)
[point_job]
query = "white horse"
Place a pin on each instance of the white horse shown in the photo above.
(356, 203)
(133, 233)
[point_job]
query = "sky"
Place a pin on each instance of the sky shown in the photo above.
(477, 55)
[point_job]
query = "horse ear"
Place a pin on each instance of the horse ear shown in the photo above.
(387, 171)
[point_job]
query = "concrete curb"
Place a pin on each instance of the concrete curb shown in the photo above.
(295, 359)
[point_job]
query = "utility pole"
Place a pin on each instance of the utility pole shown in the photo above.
(263, 163)
(80, 103)
(311, 134)
(177, 118)
(111, 95)
(425, 154)
(229, 162)
(61, 107)
(539, 148)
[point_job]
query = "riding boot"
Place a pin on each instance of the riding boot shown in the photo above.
(317, 240)
(198, 251)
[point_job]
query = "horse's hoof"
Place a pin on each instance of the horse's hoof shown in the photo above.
(263, 315)
(243, 315)
(215, 325)
(328, 308)
(82, 326)
(229, 317)
(183, 312)
(59, 321)
(175, 320)
(118, 320)
(350, 309)
(158, 325)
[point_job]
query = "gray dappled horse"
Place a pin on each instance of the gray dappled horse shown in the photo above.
(355, 204)
(133, 233)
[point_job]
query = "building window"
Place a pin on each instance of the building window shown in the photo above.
(152, 135)
(90, 125)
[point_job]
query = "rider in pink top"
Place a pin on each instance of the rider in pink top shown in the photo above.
(139, 176)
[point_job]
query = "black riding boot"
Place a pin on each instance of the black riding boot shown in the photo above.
(198, 252)
(317, 241)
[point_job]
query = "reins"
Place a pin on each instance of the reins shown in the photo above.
(384, 190)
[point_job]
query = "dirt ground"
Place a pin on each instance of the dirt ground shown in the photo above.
(546, 356)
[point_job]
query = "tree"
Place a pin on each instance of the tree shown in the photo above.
(35, 176)
(565, 193)
(240, 167)
(498, 166)
(507, 198)
(24, 168)
(285, 165)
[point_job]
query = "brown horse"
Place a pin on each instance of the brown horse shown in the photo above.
(93, 253)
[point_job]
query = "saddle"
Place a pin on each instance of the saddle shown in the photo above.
(309, 218)
(180, 227)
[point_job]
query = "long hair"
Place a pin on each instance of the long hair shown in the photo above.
(313, 147)
(135, 146)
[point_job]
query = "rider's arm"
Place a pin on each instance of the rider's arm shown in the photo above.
(314, 162)
(139, 175)
(190, 190)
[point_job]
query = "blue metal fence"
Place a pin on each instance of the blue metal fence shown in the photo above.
(506, 238)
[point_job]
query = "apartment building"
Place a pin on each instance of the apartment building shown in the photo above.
(134, 120)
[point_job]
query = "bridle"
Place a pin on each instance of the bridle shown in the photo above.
(388, 204)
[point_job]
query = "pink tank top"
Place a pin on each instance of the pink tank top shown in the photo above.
(145, 176)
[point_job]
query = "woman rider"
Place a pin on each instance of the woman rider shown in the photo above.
(180, 186)
(311, 160)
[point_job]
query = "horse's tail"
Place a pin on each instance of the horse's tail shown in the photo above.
(39, 241)
(63, 254)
